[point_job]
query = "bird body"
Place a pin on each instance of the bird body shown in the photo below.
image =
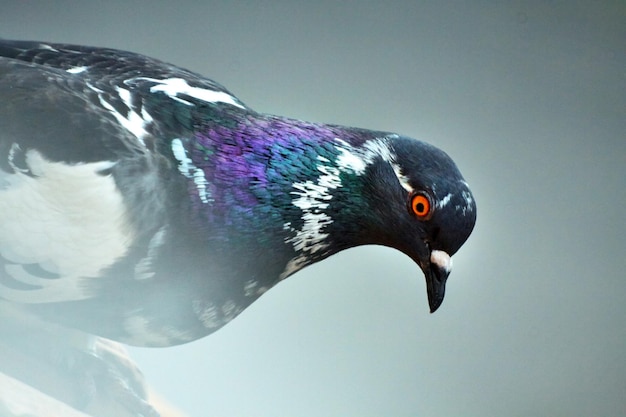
(145, 203)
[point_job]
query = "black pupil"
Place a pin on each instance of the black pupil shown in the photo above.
(419, 207)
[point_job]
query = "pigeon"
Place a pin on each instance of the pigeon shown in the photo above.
(147, 204)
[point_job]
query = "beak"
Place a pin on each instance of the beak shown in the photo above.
(436, 272)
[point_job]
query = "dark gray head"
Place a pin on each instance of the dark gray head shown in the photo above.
(427, 207)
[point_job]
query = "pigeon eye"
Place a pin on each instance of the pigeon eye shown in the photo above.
(420, 205)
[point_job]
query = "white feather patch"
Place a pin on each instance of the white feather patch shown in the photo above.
(134, 122)
(313, 197)
(189, 170)
(77, 70)
(68, 219)
(467, 196)
(172, 87)
(444, 201)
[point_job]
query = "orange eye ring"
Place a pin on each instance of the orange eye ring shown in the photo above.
(420, 206)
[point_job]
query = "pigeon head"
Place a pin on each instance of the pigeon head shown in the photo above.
(441, 211)
(416, 201)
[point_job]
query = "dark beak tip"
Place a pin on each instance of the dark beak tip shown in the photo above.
(436, 287)
(436, 269)
(435, 303)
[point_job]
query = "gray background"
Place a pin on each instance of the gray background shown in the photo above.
(528, 97)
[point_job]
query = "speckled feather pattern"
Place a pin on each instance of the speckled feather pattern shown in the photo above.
(250, 167)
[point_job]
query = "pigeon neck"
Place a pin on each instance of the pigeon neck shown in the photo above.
(268, 181)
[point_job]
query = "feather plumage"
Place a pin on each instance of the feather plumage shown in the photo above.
(145, 203)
